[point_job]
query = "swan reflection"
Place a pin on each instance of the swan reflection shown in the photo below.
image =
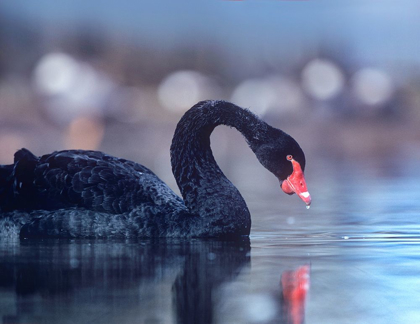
(295, 287)
(153, 281)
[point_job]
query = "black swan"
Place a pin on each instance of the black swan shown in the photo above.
(89, 194)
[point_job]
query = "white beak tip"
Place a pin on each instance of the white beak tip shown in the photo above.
(305, 194)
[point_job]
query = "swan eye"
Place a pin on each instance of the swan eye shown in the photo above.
(289, 157)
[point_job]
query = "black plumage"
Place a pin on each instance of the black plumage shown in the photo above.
(78, 193)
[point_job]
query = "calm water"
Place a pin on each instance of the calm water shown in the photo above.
(359, 244)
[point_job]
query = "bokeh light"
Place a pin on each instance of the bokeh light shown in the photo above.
(182, 89)
(56, 73)
(257, 94)
(84, 133)
(372, 86)
(322, 79)
(72, 88)
(276, 93)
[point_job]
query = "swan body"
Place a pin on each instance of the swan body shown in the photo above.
(77, 193)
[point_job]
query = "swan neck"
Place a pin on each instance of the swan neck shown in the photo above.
(204, 187)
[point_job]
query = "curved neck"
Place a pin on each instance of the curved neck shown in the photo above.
(205, 189)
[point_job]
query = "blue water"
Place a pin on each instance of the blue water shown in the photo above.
(360, 240)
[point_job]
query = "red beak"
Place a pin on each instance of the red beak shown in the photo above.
(295, 183)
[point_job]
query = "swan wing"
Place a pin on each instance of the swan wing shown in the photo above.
(87, 179)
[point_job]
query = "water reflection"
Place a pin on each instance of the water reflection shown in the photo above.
(295, 287)
(361, 239)
(124, 282)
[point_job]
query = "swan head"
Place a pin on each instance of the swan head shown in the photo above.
(283, 157)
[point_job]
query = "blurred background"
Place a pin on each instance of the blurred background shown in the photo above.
(342, 77)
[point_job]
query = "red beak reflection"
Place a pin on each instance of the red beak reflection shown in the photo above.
(295, 286)
(295, 183)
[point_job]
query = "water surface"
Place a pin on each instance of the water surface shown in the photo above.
(360, 242)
